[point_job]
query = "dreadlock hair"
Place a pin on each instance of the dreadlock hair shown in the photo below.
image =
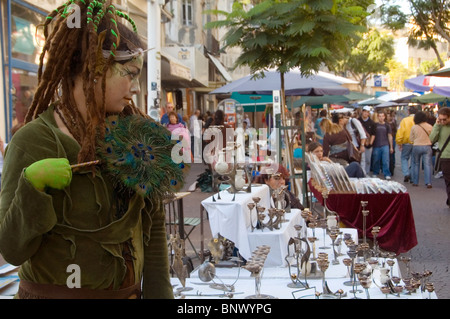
(73, 52)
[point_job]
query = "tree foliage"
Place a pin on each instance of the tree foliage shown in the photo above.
(368, 56)
(304, 34)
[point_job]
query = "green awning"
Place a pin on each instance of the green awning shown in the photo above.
(250, 104)
(429, 98)
(320, 100)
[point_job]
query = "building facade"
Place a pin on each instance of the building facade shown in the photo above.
(183, 65)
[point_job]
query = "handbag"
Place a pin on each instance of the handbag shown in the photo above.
(437, 163)
(353, 153)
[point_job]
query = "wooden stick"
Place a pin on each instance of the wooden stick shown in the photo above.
(85, 164)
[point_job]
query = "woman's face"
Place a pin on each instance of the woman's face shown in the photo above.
(122, 82)
(173, 119)
(275, 181)
(318, 152)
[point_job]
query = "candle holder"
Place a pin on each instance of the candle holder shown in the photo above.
(376, 249)
(406, 260)
(323, 225)
(366, 282)
(312, 240)
(255, 265)
(302, 265)
(333, 235)
(365, 213)
(357, 269)
(430, 288)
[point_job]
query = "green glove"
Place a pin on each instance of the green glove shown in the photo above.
(49, 172)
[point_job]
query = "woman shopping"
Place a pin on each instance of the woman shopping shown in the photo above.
(353, 169)
(420, 138)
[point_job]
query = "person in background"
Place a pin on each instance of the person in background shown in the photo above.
(441, 133)
(420, 138)
(174, 122)
(392, 121)
(382, 146)
(319, 132)
(247, 120)
(336, 138)
(370, 127)
(404, 143)
(165, 117)
(180, 130)
(358, 135)
(353, 169)
(276, 180)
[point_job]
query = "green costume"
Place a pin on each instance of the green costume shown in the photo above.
(45, 232)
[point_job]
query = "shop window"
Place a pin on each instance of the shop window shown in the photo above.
(26, 37)
(23, 87)
(187, 12)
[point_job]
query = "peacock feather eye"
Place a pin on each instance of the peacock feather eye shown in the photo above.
(137, 154)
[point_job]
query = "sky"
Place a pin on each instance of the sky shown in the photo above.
(404, 4)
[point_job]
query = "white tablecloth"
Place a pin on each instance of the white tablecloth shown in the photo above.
(277, 239)
(275, 280)
(232, 218)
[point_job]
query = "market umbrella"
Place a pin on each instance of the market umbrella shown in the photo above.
(295, 85)
(319, 100)
(444, 72)
(426, 83)
(372, 101)
(388, 104)
(444, 90)
(397, 96)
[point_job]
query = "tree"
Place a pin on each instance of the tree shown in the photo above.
(282, 35)
(398, 73)
(286, 34)
(368, 56)
(429, 22)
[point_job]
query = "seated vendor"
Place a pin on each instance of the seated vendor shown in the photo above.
(276, 180)
(353, 169)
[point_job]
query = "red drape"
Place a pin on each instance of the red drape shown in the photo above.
(392, 212)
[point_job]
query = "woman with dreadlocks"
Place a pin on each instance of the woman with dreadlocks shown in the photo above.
(74, 235)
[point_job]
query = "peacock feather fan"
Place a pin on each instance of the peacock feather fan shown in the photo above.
(136, 152)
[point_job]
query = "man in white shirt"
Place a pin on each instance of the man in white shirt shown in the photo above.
(358, 135)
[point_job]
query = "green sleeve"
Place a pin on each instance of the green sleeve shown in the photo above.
(156, 277)
(26, 214)
(434, 135)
